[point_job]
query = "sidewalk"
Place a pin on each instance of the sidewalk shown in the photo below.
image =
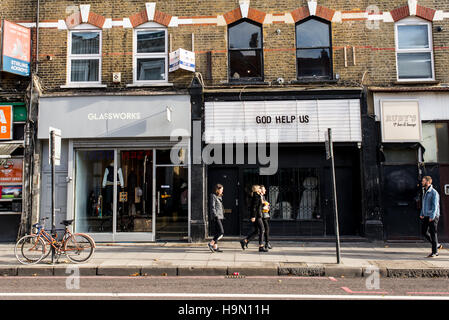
(286, 258)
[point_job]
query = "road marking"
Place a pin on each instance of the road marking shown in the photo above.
(169, 277)
(363, 292)
(333, 279)
(212, 295)
(428, 293)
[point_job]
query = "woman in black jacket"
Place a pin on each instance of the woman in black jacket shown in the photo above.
(256, 218)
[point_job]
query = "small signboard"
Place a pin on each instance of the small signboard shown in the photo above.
(123, 196)
(401, 121)
(57, 146)
(16, 48)
(6, 120)
(182, 59)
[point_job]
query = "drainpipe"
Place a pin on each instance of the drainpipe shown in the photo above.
(25, 223)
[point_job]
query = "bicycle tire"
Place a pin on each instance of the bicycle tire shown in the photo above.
(77, 244)
(24, 254)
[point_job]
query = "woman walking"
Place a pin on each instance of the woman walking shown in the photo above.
(216, 205)
(256, 219)
(265, 217)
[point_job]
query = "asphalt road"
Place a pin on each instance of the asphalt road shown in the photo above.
(222, 288)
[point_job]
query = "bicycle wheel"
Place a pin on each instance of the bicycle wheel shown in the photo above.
(79, 248)
(29, 249)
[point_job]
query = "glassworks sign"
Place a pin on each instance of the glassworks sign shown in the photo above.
(293, 120)
(401, 121)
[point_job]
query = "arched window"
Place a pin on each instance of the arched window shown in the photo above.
(313, 49)
(245, 51)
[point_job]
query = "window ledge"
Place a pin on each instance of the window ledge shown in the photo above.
(83, 85)
(417, 82)
(313, 81)
(153, 84)
(246, 83)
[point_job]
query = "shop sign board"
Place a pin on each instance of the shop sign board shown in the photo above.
(11, 171)
(182, 59)
(6, 120)
(400, 121)
(16, 48)
(282, 121)
(57, 145)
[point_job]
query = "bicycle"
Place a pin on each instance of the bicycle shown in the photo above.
(33, 248)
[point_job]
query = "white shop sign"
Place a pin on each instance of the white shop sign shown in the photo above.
(182, 59)
(400, 121)
(293, 121)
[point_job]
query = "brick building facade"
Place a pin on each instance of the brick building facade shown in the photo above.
(362, 69)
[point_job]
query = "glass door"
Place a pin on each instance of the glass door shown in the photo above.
(135, 205)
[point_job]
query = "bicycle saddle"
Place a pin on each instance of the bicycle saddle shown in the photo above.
(67, 222)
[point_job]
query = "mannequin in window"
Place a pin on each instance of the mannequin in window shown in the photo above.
(132, 185)
(108, 185)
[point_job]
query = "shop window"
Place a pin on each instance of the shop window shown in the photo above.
(395, 156)
(172, 156)
(84, 59)
(293, 193)
(94, 190)
(414, 50)
(429, 142)
(150, 55)
(443, 142)
(245, 51)
(313, 49)
(436, 142)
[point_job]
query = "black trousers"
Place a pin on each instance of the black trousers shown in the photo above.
(219, 231)
(267, 228)
(429, 231)
(258, 230)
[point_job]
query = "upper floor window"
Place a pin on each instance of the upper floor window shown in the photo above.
(414, 50)
(150, 55)
(84, 59)
(313, 49)
(245, 51)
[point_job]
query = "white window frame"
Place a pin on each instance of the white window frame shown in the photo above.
(150, 26)
(412, 21)
(70, 56)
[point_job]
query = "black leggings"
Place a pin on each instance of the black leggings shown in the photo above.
(258, 229)
(219, 231)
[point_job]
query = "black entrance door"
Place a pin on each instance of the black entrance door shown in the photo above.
(400, 187)
(228, 177)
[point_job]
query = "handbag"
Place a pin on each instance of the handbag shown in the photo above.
(266, 210)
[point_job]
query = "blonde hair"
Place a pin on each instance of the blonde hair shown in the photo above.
(255, 188)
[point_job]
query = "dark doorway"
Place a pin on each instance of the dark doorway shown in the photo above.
(228, 177)
(400, 191)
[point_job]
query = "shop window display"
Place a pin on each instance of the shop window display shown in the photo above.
(293, 193)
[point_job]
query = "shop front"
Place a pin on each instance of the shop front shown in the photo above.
(13, 118)
(281, 144)
(414, 127)
(124, 173)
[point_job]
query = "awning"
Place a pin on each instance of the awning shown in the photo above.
(7, 148)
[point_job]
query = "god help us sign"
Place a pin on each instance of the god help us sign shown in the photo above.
(16, 48)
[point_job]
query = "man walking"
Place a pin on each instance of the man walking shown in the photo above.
(430, 214)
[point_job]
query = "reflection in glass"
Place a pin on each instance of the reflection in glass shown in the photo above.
(151, 41)
(245, 35)
(313, 62)
(172, 202)
(413, 37)
(151, 69)
(85, 43)
(312, 34)
(85, 70)
(415, 65)
(94, 198)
